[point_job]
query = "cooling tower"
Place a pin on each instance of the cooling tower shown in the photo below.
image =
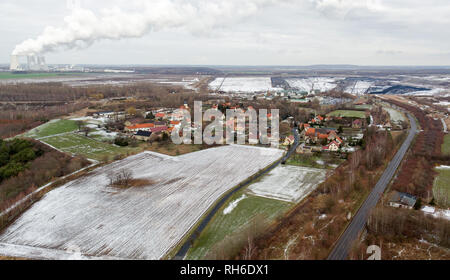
(15, 65)
(33, 62)
(41, 62)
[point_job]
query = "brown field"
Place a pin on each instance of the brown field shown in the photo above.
(171, 149)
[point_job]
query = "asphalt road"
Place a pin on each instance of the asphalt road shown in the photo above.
(181, 254)
(342, 247)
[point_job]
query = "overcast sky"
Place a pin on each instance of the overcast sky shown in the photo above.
(261, 32)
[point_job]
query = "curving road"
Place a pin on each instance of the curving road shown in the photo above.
(181, 254)
(342, 247)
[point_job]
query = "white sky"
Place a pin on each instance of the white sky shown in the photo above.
(271, 32)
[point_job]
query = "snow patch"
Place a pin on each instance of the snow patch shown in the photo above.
(288, 183)
(233, 205)
(359, 87)
(312, 84)
(443, 167)
(243, 84)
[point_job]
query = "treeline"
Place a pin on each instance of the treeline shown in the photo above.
(15, 156)
(15, 120)
(26, 165)
(390, 225)
(379, 115)
(45, 92)
(417, 172)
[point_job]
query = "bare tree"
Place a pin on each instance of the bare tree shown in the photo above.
(122, 179)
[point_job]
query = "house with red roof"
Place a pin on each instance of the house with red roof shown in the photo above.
(157, 130)
(140, 127)
(290, 140)
(317, 120)
(322, 136)
(161, 116)
(315, 135)
(332, 147)
(304, 126)
(175, 124)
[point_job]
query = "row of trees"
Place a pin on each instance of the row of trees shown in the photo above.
(417, 173)
(388, 225)
(18, 119)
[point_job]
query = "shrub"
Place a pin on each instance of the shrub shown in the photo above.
(121, 141)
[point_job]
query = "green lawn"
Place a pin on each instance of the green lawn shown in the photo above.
(441, 188)
(8, 75)
(52, 128)
(89, 148)
(223, 225)
(348, 114)
(363, 107)
(446, 145)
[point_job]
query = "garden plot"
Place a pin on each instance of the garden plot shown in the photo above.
(136, 223)
(80, 145)
(312, 84)
(243, 85)
(288, 183)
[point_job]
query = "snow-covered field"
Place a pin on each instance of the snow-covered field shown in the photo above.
(312, 84)
(359, 87)
(136, 223)
(243, 85)
(432, 92)
(439, 78)
(288, 183)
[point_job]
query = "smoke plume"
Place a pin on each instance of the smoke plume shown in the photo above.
(83, 27)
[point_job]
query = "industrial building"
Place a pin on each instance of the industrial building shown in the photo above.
(33, 63)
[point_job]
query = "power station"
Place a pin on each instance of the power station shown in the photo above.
(33, 63)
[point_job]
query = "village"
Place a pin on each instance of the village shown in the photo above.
(320, 143)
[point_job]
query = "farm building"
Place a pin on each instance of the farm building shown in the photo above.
(140, 127)
(143, 135)
(402, 200)
(159, 129)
